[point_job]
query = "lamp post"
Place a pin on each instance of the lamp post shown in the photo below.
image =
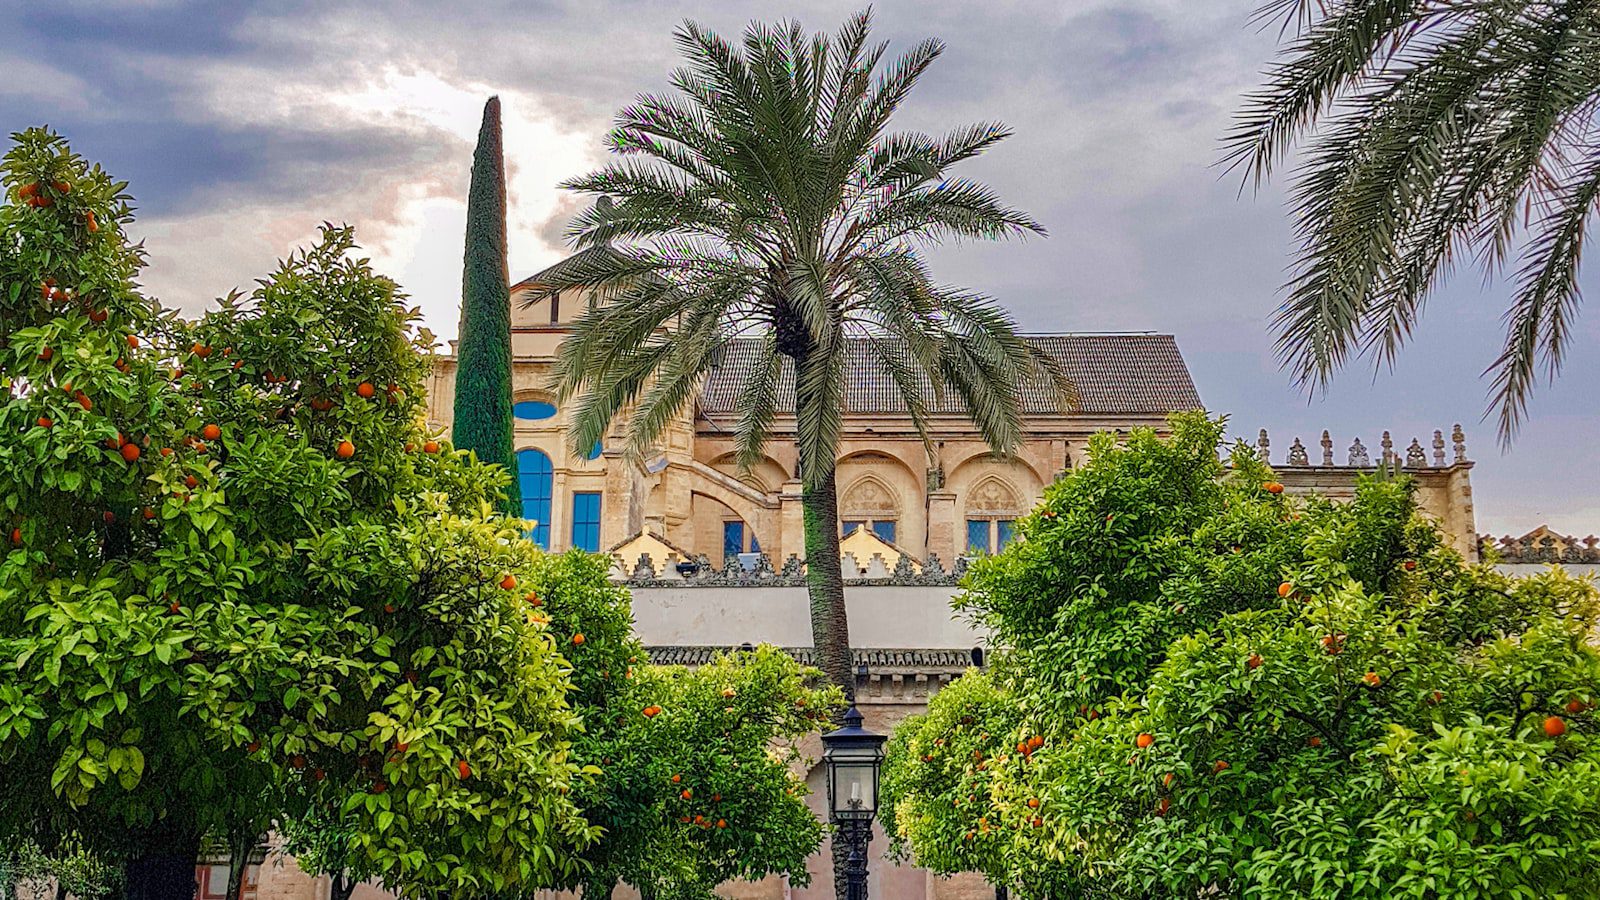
(853, 756)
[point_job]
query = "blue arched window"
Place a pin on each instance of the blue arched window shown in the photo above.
(533, 410)
(534, 474)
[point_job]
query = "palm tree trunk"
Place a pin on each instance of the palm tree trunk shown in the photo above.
(830, 626)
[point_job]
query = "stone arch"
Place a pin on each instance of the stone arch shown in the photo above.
(766, 475)
(975, 458)
(994, 497)
(869, 497)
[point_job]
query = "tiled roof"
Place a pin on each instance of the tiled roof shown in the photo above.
(1114, 373)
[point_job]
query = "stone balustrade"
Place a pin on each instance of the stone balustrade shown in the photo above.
(1359, 456)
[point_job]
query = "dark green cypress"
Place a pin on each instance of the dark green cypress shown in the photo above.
(483, 351)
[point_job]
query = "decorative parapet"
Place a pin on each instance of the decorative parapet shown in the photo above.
(882, 675)
(1541, 547)
(757, 570)
(1357, 455)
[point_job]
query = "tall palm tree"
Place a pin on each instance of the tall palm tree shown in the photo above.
(1436, 128)
(766, 198)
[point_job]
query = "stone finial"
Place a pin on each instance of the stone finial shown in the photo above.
(960, 568)
(702, 566)
(1358, 454)
(763, 567)
(1264, 447)
(1438, 448)
(933, 566)
(1388, 457)
(1327, 448)
(904, 569)
(644, 570)
(1416, 457)
(848, 567)
(1459, 443)
(1297, 454)
(793, 567)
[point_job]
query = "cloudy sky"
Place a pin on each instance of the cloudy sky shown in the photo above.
(243, 125)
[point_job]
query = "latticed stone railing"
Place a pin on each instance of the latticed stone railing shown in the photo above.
(1414, 456)
(1535, 549)
(756, 570)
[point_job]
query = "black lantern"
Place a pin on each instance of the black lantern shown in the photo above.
(854, 756)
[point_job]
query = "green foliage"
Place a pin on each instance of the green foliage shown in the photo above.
(766, 199)
(29, 873)
(724, 732)
(1433, 128)
(1377, 728)
(235, 576)
(482, 422)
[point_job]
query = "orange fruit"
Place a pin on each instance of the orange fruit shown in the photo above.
(1255, 661)
(509, 583)
(345, 450)
(130, 452)
(1575, 706)
(44, 422)
(650, 712)
(191, 481)
(677, 778)
(365, 389)
(200, 350)
(430, 447)
(1033, 802)
(211, 432)
(1272, 487)
(722, 823)
(686, 793)
(1314, 741)
(1285, 589)
(1144, 740)
(1555, 727)
(1162, 806)
(463, 770)
(109, 517)
(1372, 679)
(1411, 565)
(84, 401)
(577, 638)
(133, 342)
(16, 535)
(45, 354)
(149, 513)
(1219, 766)
(89, 221)
(1167, 779)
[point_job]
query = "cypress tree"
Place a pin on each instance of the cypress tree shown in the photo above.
(483, 353)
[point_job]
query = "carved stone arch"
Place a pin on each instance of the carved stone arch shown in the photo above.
(869, 498)
(975, 458)
(994, 497)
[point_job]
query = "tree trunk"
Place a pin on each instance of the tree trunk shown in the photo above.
(164, 870)
(239, 847)
(341, 886)
(830, 627)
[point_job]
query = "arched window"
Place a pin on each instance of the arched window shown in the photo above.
(992, 507)
(534, 475)
(870, 503)
(533, 410)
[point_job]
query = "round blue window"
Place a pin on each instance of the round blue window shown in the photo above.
(533, 410)
(594, 452)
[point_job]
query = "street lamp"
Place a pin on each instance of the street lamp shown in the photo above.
(853, 756)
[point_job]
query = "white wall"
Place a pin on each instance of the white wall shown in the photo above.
(892, 617)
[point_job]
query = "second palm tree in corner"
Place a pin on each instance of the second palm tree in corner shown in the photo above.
(766, 198)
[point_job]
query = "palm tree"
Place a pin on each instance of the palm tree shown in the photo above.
(1436, 128)
(766, 198)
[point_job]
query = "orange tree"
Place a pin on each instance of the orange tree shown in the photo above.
(692, 780)
(237, 570)
(1236, 693)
